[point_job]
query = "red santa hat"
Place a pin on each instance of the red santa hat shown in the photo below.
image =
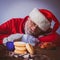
(43, 18)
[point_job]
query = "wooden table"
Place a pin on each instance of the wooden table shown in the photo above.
(52, 54)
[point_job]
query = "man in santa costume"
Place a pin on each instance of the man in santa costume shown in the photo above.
(37, 24)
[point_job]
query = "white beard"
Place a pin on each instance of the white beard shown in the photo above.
(27, 29)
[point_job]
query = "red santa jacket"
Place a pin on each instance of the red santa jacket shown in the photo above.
(16, 25)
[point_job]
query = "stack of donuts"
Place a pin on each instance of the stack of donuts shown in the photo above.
(23, 48)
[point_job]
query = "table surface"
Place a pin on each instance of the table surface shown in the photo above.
(52, 54)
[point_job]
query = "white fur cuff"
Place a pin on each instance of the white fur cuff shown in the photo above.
(5, 40)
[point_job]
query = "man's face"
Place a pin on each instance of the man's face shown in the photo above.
(32, 29)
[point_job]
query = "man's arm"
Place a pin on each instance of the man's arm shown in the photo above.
(54, 38)
(5, 29)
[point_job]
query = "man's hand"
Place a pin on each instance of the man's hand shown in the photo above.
(47, 45)
(30, 39)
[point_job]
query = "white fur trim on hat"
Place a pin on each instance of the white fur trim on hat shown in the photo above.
(38, 18)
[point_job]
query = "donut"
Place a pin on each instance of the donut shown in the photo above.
(19, 43)
(30, 48)
(20, 51)
(20, 48)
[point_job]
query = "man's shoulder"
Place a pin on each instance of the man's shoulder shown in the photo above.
(17, 18)
(20, 19)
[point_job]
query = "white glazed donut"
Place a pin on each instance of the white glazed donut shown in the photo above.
(20, 52)
(20, 48)
(20, 43)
